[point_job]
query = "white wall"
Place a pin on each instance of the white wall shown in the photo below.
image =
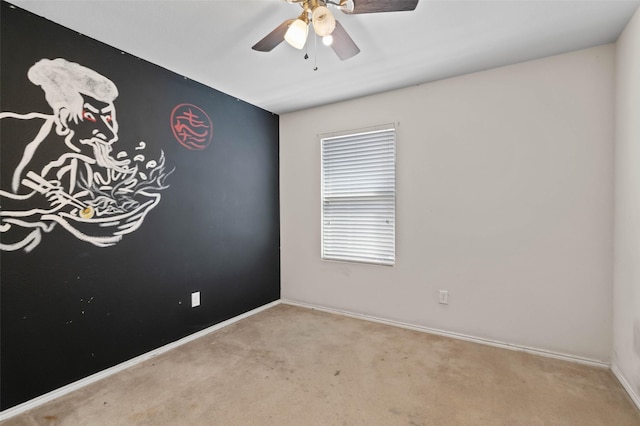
(504, 198)
(626, 299)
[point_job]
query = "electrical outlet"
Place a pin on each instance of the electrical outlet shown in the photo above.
(195, 299)
(444, 297)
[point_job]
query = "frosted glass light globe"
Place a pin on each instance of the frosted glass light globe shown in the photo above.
(297, 33)
(323, 21)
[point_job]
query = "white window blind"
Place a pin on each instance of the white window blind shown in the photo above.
(358, 197)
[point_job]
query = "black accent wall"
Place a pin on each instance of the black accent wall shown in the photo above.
(72, 306)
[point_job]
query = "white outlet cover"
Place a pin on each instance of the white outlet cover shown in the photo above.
(195, 299)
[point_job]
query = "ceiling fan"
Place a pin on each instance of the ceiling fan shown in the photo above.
(316, 12)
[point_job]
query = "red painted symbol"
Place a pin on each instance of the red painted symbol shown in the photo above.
(191, 126)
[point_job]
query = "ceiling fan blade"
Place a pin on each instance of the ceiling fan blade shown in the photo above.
(274, 38)
(342, 44)
(378, 6)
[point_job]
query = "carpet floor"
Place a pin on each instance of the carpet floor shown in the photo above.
(295, 366)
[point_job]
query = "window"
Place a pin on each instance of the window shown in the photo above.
(358, 196)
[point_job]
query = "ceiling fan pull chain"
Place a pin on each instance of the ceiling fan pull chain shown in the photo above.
(315, 53)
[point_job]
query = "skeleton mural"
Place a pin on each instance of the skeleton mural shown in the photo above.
(68, 175)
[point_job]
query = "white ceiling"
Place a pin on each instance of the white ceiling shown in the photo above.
(210, 41)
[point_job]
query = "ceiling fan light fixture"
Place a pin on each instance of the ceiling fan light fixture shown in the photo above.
(347, 6)
(297, 33)
(323, 21)
(327, 40)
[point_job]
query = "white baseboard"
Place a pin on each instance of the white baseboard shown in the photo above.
(626, 385)
(459, 336)
(33, 403)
